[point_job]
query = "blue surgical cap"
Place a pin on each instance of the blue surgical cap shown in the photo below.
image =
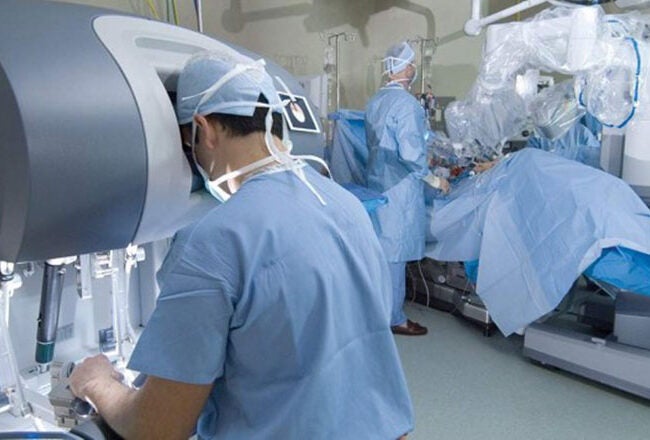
(398, 57)
(202, 71)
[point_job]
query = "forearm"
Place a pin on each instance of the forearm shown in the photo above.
(484, 166)
(117, 405)
(161, 409)
(126, 411)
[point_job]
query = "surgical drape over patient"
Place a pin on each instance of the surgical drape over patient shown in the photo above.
(535, 222)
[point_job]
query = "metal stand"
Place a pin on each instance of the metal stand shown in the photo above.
(13, 388)
(118, 265)
(422, 43)
(603, 360)
(618, 358)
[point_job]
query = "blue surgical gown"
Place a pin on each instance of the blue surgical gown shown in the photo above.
(397, 163)
(284, 305)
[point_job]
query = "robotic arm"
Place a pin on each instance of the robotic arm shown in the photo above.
(605, 54)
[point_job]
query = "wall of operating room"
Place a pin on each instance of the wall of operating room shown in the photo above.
(294, 33)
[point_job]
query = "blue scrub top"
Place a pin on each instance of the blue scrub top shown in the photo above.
(397, 163)
(284, 304)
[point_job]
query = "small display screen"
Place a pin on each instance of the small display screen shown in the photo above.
(298, 114)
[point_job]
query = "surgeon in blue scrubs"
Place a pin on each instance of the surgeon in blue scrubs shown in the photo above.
(273, 320)
(397, 167)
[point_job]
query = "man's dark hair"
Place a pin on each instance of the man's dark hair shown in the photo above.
(244, 125)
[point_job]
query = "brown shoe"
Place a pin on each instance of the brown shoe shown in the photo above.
(411, 329)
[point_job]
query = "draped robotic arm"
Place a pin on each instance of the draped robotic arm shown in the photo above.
(606, 58)
(606, 55)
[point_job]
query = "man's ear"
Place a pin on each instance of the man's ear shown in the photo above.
(205, 130)
(201, 122)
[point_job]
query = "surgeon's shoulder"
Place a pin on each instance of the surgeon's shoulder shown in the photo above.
(184, 243)
(400, 101)
(184, 235)
(200, 251)
(213, 234)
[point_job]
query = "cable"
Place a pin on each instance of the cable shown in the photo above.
(153, 10)
(426, 286)
(127, 299)
(175, 7)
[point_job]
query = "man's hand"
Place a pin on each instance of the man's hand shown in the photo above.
(444, 185)
(92, 371)
(161, 409)
(484, 166)
(437, 182)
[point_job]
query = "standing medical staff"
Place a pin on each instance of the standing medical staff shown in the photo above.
(397, 167)
(273, 318)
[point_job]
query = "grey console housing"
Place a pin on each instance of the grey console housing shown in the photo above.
(90, 152)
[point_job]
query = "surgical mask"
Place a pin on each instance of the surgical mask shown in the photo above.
(415, 75)
(213, 187)
(394, 65)
(284, 158)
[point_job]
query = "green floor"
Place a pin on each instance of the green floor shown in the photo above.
(465, 386)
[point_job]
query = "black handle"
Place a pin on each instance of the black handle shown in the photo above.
(48, 315)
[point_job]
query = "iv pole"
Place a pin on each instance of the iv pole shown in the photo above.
(337, 41)
(422, 43)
